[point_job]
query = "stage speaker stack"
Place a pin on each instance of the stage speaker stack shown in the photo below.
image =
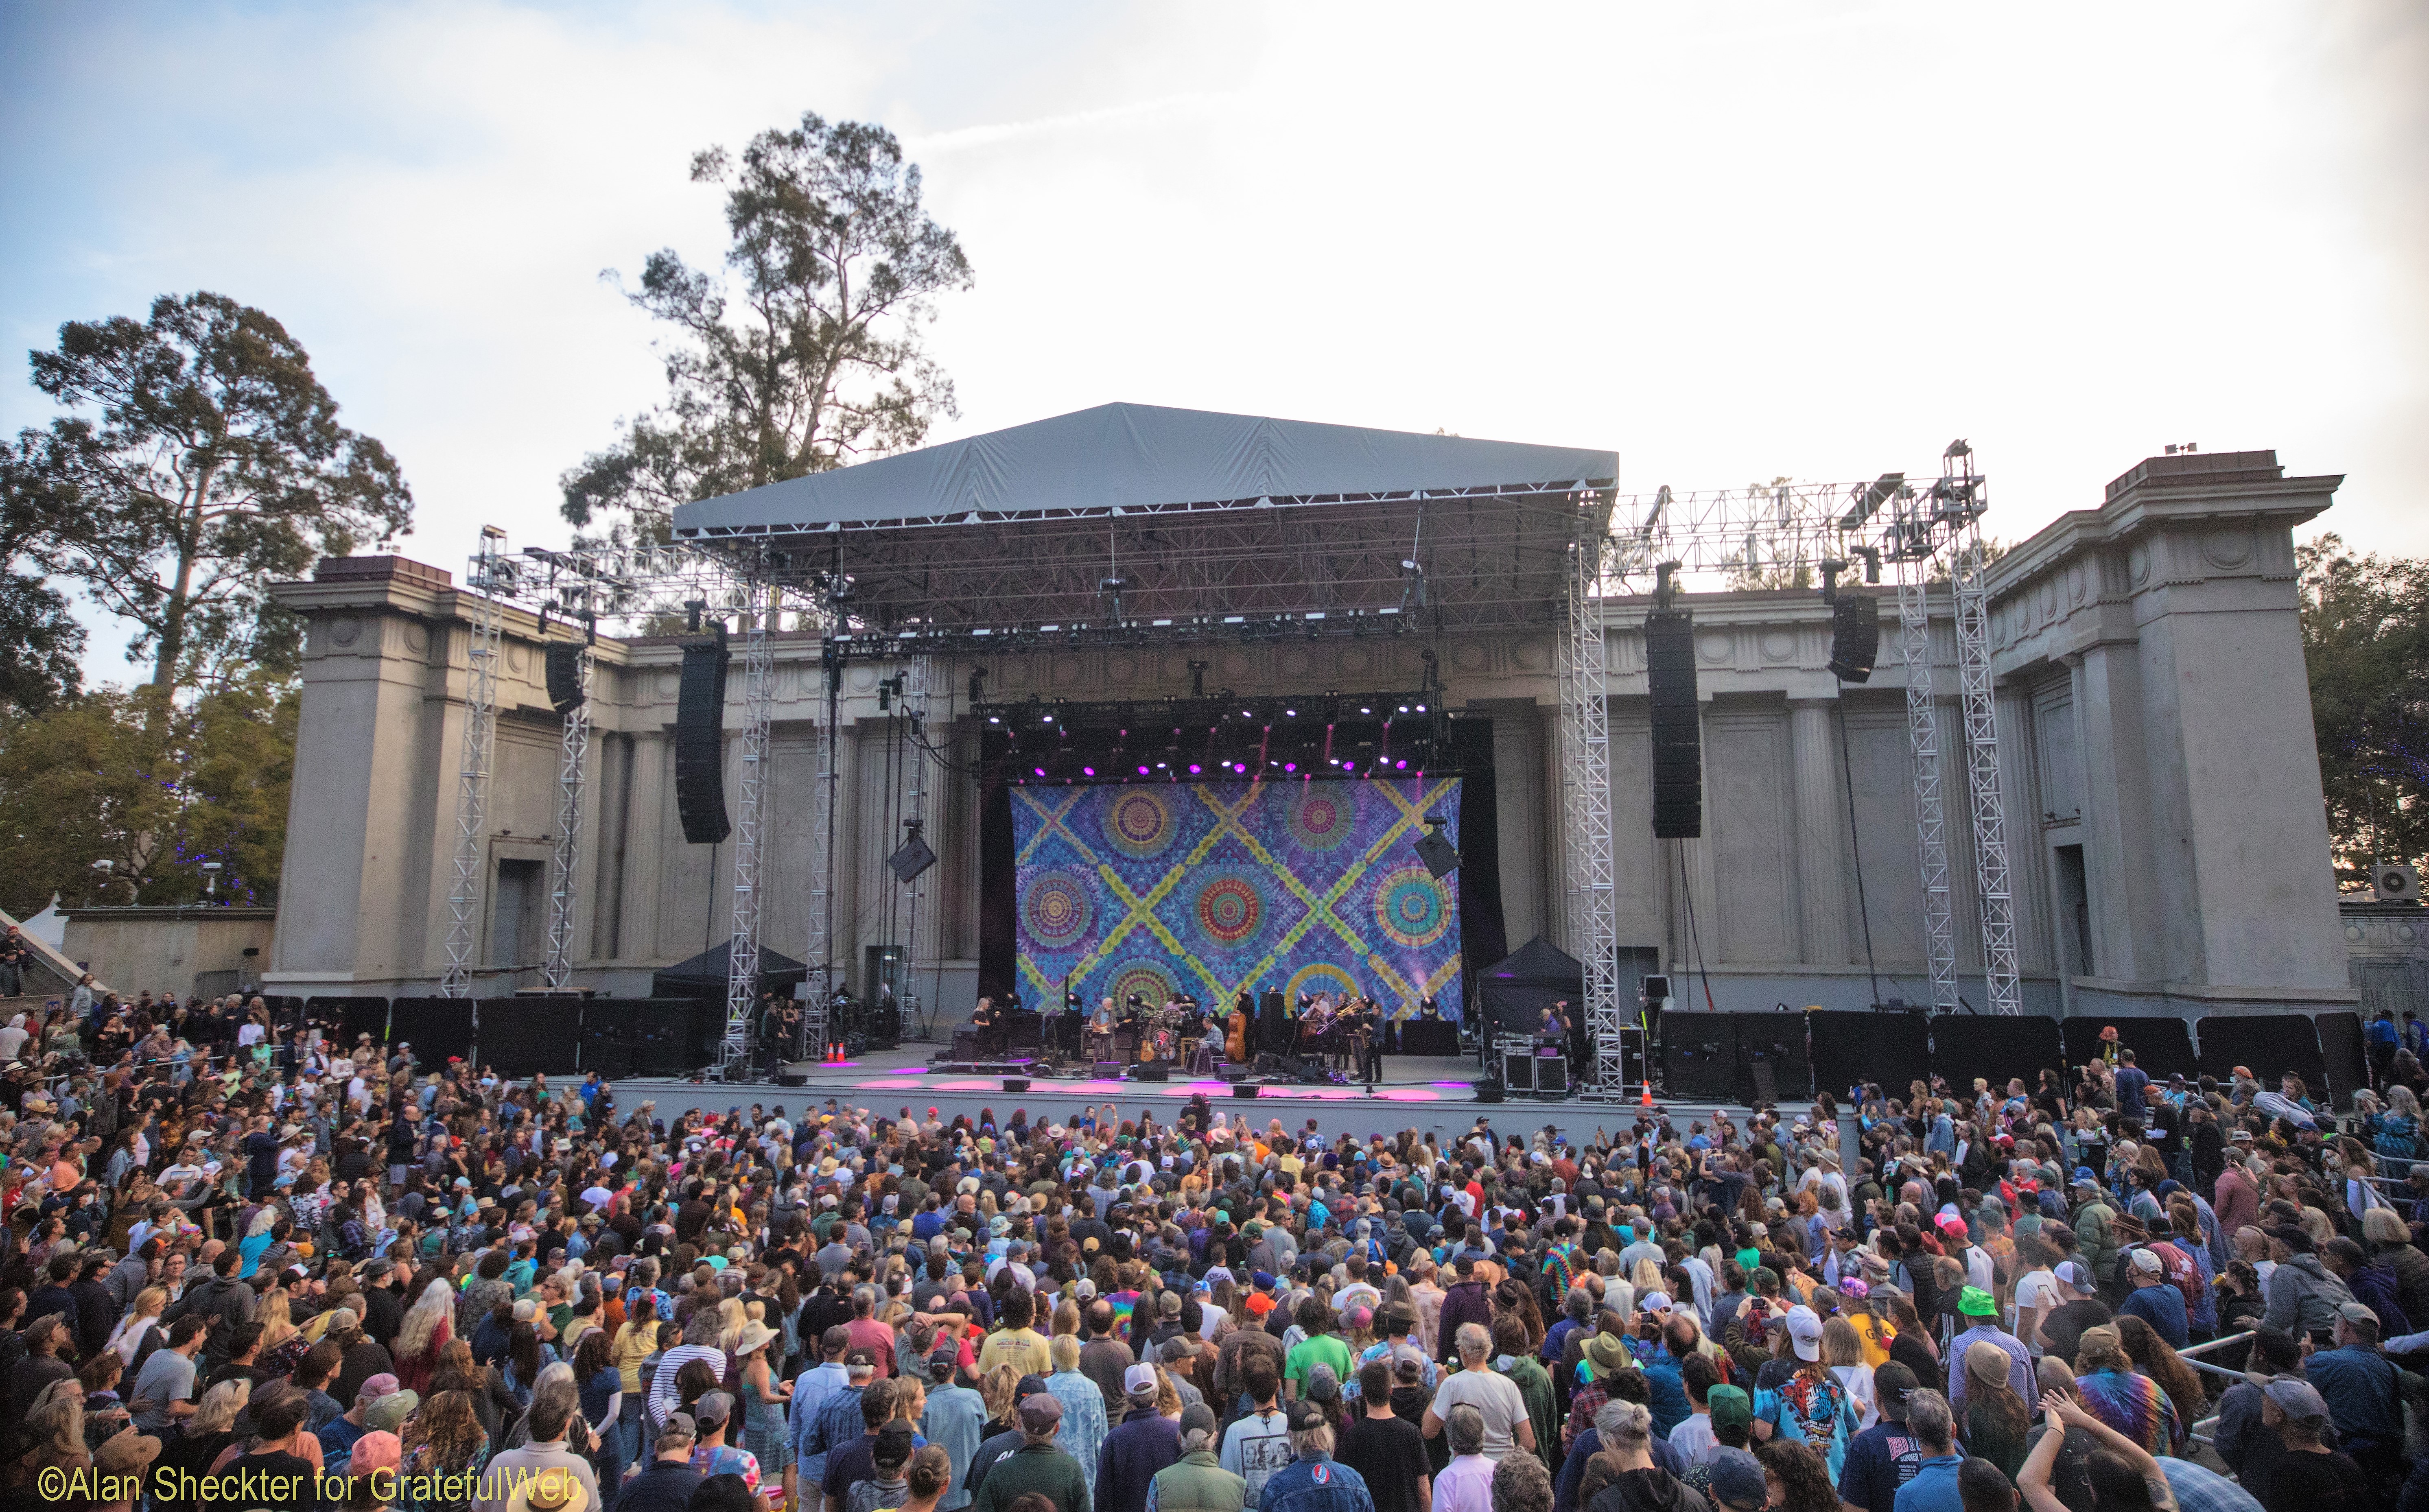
(1551, 1075)
(1855, 635)
(1677, 740)
(1518, 1070)
(564, 674)
(699, 744)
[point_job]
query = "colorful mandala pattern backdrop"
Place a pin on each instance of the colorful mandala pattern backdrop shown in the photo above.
(1221, 886)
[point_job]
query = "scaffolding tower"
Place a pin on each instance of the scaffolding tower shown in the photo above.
(914, 819)
(750, 827)
(1960, 486)
(573, 762)
(1585, 795)
(484, 617)
(817, 988)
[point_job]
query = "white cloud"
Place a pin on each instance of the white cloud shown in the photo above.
(1807, 239)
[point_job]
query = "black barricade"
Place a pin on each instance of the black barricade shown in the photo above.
(2342, 1055)
(1775, 1040)
(350, 1017)
(1995, 1048)
(1893, 1049)
(651, 1036)
(436, 1027)
(2161, 1046)
(521, 1037)
(1699, 1056)
(2267, 1044)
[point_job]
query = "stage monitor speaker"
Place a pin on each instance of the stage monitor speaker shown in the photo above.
(1677, 737)
(1244, 1089)
(1440, 856)
(1655, 989)
(1518, 1069)
(1015, 1083)
(564, 674)
(1152, 1070)
(909, 862)
(1233, 1073)
(1488, 1092)
(700, 745)
(1855, 635)
(1551, 1075)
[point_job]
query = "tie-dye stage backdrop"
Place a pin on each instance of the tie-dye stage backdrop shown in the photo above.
(1296, 886)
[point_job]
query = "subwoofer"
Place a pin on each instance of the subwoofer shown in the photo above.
(699, 744)
(1552, 1075)
(1677, 736)
(1518, 1070)
(1855, 635)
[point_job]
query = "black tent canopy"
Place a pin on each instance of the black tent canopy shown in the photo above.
(705, 974)
(1514, 991)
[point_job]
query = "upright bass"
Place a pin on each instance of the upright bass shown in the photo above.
(1236, 1039)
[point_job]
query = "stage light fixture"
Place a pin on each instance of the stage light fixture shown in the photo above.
(1142, 771)
(1290, 714)
(1193, 768)
(1290, 767)
(1087, 771)
(1041, 771)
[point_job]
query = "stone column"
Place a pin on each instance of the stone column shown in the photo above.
(650, 796)
(1821, 831)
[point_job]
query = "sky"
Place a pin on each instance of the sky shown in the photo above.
(1730, 242)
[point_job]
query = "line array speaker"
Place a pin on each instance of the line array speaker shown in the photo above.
(1677, 741)
(564, 674)
(700, 745)
(1855, 635)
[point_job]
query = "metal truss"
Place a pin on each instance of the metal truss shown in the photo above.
(749, 814)
(1585, 793)
(573, 755)
(1931, 816)
(1443, 561)
(1991, 874)
(485, 615)
(1775, 536)
(819, 951)
(914, 819)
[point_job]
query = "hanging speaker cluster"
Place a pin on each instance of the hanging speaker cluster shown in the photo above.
(564, 674)
(1855, 637)
(1678, 742)
(699, 744)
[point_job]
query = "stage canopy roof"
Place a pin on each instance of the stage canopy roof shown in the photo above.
(1134, 521)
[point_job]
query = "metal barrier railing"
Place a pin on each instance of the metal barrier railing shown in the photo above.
(2204, 1432)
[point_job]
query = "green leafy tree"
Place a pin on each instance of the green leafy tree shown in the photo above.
(808, 354)
(40, 641)
(2366, 642)
(153, 785)
(200, 460)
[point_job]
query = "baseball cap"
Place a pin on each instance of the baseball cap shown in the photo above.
(1891, 1381)
(1139, 1378)
(2296, 1398)
(2147, 1261)
(1805, 1332)
(2358, 1313)
(1730, 1404)
(1737, 1478)
(2074, 1272)
(711, 1409)
(1041, 1414)
(1305, 1415)
(1198, 1418)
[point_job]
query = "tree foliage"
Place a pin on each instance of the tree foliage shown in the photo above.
(155, 786)
(808, 354)
(200, 460)
(40, 641)
(2366, 642)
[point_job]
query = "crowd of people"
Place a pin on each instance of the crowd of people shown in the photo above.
(240, 1256)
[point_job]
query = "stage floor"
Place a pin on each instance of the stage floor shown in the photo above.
(1432, 1095)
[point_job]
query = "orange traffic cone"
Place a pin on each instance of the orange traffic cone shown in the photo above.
(1647, 1101)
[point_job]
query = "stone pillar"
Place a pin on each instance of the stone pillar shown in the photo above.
(1821, 831)
(651, 793)
(1519, 820)
(2117, 860)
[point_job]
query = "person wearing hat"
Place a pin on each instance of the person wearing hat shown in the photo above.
(2360, 1386)
(338, 1433)
(2309, 1472)
(2095, 1223)
(2303, 1296)
(2077, 1308)
(1812, 1405)
(1314, 1481)
(2133, 1404)
(1038, 1466)
(2154, 1298)
(1980, 1315)
(1137, 1451)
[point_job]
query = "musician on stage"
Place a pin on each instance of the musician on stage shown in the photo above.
(989, 1025)
(1555, 1030)
(1103, 1022)
(1366, 1041)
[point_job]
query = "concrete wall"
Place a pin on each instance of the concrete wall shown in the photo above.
(166, 949)
(2152, 719)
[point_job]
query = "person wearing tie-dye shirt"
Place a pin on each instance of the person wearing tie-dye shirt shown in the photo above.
(2132, 1404)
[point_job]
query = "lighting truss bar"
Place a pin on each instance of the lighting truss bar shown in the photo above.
(915, 812)
(485, 615)
(573, 753)
(1759, 535)
(742, 940)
